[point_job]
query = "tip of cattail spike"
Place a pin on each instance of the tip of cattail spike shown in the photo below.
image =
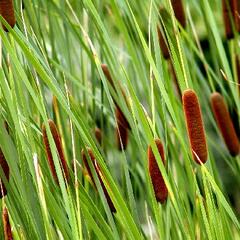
(231, 13)
(99, 175)
(224, 123)
(195, 127)
(159, 186)
(6, 225)
(179, 12)
(107, 74)
(163, 44)
(121, 129)
(58, 143)
(7, 12)
(98, 135)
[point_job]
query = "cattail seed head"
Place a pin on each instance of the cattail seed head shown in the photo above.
(99, 174)
(224, 123)
(7, 12)
(194, 122)
(5, 167)
(98, 135)
(58, 143)
(159, 186)
(179, 11)
(232, 12)
(163, 44)
(6, 225)
(121, 130)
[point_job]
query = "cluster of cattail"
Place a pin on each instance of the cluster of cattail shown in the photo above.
(159, 186)
(59, 147)
(224, 122)
(231, 17)
(5, 168)
(7, 12)
(6, 225)
(123, 126)
(195, 127)
(99, 175)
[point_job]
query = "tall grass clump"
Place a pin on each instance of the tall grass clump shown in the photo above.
(123, 119)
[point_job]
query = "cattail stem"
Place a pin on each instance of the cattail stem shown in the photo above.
(159, 186)
(224, 123)
(58, 143)
(179, 11)
(7, 12)
(6, 225)
(194, 122)
(99, 175)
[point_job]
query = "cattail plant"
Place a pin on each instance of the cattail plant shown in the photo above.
(122, 123)
(159, 186)
(238, 71)
(195, 127)
(7, 12)
(231, 17)
(5, 168)
(121, 129)
(163, 44)
(179, 11)
(224, 123)
(99, 175)
(58, 143)
(6, 225)
(98, 135)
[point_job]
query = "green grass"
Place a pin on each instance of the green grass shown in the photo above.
(56, 49)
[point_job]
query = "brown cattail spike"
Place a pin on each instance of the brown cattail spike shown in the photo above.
(233, 12)
(98, 135)
(6, 225)
(179, 11)
(121, 130)
(5, 168)
(158, 183)
(163, 44)
(194, 122)
(7, 12)
(58, 143)
(99, 174)
(224, 123)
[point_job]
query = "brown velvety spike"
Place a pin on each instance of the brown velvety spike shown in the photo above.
(224, 123)
(179, 11)
(109, 78)
(121, 130)
(58, 143)
(158, 183)
(98, 135)
(6, 225)
(194, 122)
(4, 166)
(7, 12)
(163, 44)
(99, 174)
(108, 75)
(234, 11)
